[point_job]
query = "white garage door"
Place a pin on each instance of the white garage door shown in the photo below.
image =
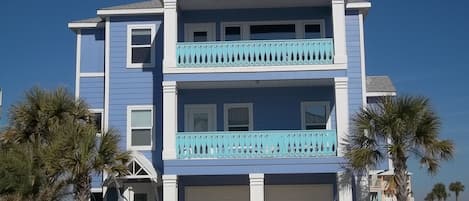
(217, 193)
(299, 192)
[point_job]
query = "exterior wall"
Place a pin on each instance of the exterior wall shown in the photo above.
(92, 91)
(135, 86)
(354, 73)
(269, 14)
(273, 108)
(92, 51)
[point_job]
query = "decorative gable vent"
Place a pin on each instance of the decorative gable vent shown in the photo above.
(136, 170)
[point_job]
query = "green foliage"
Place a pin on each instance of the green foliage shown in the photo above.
(410, 126)
(456, 187)
(51, 142)
(439, 191)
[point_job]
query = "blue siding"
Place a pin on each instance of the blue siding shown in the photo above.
(92, 91)
(255, 76)
(354, 62)
(92, 50)
(135, 86)
(273, 108)
(96, 180)
(268, 14)
(246, 166)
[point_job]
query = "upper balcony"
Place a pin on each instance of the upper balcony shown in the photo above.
(260, 36)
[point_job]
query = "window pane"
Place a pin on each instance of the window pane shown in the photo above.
(200, 36)
(141, 137)
(141, 55)
(315, 127)
(238, 116)
(141, 36)
(312, 31)
(140, 197)
(232, 33)
(315, 114)
(269, 32)
(241, 128)
(200, 122)
(141, 118)
(97, 117)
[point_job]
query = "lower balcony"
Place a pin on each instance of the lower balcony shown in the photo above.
(256, 144)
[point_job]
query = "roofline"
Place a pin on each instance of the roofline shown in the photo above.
(358, 5)
(105, 12)
(381, 93)
(80, 25)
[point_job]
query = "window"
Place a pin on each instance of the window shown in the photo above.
(139, 127)
(200, 118)
(315, 115)
(199, 32)
(273, 31)
(232, 33)
(313, 31)
(140, 47)
(140, 197)
(238, 117)
(97, 115)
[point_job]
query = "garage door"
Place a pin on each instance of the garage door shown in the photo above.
(217, 193)
(299, 192)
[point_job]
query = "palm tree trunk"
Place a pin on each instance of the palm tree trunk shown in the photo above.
(83, 188)
(400, 171)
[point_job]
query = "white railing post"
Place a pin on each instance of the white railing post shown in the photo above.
(170, 33)
(169, 119)
(338, 21)
(256, 187)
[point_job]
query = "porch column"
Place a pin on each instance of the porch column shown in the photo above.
(342, 113)
(344, 186)
(129, 193)
(170, 188)
(170, 33)
(169, 119)
(256, 187)
(338, 21)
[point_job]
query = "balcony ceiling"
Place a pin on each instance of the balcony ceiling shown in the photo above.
(239, 4)
(255, 84)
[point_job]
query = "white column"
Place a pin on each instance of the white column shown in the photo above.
(256, 187)
(170, 188)
(170, 33)
(338, 21)
(169, 119)
(344, 186)
(342, 113)
(129, 193)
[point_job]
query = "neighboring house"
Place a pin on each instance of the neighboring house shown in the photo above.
(226, 100)
(382, 187)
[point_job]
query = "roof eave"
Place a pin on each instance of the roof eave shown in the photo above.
(144, 11)
(381, 93)
(363, 7)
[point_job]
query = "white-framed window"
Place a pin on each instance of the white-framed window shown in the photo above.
(199, 32)
(315, 115)
(98, 119)
(200, 117)
(238, 117)
(140, 127)
(140, 45)
(140, 197)
(269, 30)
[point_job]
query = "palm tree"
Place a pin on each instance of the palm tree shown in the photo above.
(439, 190)
(456, 187)
(62, 145)
(410, 126)
(430, 197)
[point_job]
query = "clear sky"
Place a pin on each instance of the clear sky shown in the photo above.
(421, 44)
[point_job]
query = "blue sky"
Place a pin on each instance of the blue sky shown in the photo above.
(421, 45)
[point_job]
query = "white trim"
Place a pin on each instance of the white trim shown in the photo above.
(77, 25)
(380, 94)
(304, 104)
(255, 69)
(170, 119)
(338, 27)
(129, 127)
(358, 5)
(256, 187)
(246, 33)
(94, 110)
(78, 66)
(96, 190)
(131, 27)
(131, 11)
(210, 109)
(342, 113)
(362, 58)
(97, 74)
(190, 28)
(107, 52)
(227, 106)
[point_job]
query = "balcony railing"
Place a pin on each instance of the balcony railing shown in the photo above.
(255, 53)
(256, 144)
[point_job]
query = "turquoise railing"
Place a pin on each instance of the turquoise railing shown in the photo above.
(255, 53)
(256, 144)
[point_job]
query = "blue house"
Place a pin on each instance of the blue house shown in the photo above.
(227, 100)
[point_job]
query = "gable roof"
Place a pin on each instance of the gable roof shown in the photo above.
(137, 5)
(379, 84)
(89, 20)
